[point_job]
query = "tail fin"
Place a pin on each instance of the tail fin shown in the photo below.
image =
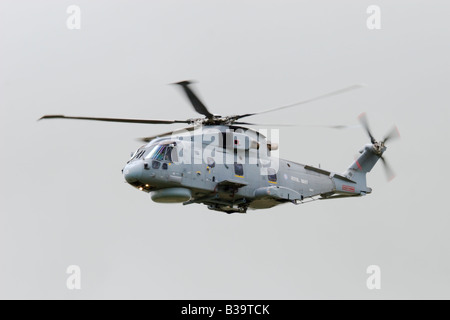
(353, 181)
(364, 164)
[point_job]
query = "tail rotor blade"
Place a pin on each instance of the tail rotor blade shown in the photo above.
(365, 123)
(390, 174)
(392, 135)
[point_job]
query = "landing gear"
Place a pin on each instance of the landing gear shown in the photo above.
(228, 209)
(298, 201)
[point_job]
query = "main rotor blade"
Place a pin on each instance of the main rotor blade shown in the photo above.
(297, 125)
(195, 101)
(169, 133)
(264, 124)
(330, 94)
(390, 174)
(115, 119)
(392, 135)
(365, 123)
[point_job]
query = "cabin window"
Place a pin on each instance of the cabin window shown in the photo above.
(271, 175)
(238, 169)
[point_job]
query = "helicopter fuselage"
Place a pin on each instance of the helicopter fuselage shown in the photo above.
(229, 170)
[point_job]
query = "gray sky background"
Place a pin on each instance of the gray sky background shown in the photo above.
(63, 199)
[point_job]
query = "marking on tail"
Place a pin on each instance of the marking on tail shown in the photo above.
(348, 188)
(359, 166)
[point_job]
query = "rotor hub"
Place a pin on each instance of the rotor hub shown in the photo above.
(215, 120)
(379, 148)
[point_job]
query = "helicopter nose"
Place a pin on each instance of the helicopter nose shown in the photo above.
(132, 172)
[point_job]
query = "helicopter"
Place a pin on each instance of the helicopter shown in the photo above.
(220, 162)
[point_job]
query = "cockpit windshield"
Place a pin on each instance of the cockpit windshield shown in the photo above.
(137, 154)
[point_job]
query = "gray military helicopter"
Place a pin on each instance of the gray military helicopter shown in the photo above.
(220, 162)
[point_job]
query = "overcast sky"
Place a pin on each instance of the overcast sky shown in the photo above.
(63, 199)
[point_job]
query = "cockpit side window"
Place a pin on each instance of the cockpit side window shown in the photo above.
(167, 156)
(157, 153)
(161, 153)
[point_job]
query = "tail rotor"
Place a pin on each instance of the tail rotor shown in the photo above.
(379, 147)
